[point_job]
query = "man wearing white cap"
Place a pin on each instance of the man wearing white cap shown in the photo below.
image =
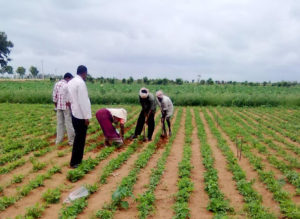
(166, 107)
(148, 104)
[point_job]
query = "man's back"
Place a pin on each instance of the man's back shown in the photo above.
(60, 94)
(80, 102)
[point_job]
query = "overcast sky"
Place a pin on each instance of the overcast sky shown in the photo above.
(254, 40)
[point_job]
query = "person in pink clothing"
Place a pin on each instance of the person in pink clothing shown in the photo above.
(106, 118)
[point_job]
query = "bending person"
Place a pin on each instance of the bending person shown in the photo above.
(148, 104)
(166, 107)
(106, 117)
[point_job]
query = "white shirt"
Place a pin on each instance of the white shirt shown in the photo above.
(166, 104)
(80, 102)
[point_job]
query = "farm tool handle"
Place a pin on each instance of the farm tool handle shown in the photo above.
(239, 146)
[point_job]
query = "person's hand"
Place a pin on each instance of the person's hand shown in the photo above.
(87, 122)
(68, 104)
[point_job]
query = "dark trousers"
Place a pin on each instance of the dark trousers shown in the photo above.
(140, 124)
(79, 141)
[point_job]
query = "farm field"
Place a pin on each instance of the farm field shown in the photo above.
(187, 94)
(196, 173)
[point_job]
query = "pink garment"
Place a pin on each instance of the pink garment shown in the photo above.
(105, 120)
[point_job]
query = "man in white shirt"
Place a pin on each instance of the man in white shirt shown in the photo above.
(166, 107)
(81, 113)
(61, 100)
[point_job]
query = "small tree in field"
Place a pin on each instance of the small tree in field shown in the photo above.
(179, 81)
(34, 71)
(5, 46)
(9, 69)
(130, 80)
(21, 71)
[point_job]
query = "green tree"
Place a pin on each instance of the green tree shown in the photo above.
(21, 71)
(146, 80)
(209, 81)
(9, 69)
(179, 81)
(130, 80)
(5, 47)
(34, 71)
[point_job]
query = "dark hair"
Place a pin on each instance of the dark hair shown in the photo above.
(81, 69)
(68, 75)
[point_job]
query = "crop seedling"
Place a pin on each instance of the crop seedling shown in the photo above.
(17, 178)
(51, 196)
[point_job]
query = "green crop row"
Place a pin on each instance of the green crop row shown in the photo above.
(259, 131)
(287, 207)
(218, 204)
(252, 199)
(68, 211)
(147, 199)
(125, 188)
(292, 176)
(185, 184)
(38, 181)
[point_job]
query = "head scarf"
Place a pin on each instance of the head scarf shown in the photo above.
(159, 94)
(120, 113)
(144, 93)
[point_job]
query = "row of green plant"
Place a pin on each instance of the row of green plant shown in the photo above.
(70, 211)
(89, 164)
(23, 191)
(126, 186)
(89, 147)
(51, 196)
(253, 201)
(280, 127)
(147, 199)
(218, 204)
(292, 175)
(279, 150)
(229, 124)
(269, 130)
(185, 184)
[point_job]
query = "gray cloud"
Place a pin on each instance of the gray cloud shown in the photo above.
(223, 39)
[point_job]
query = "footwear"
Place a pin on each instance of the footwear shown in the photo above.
(170, 133)
(74, 166)
(107, 143)
(149, 139)
(133, 137)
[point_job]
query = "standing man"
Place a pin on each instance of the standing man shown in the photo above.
(147, 114)
(166, 107)
(61, 99)
(81, 113)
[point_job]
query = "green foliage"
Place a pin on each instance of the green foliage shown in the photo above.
(21, 71)
(70, 211)
(192, 94)
(17, 178)
(34, 71)
(146, 200)
(35, 211)
(5, 47)
(52, 196)
(104, 214)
